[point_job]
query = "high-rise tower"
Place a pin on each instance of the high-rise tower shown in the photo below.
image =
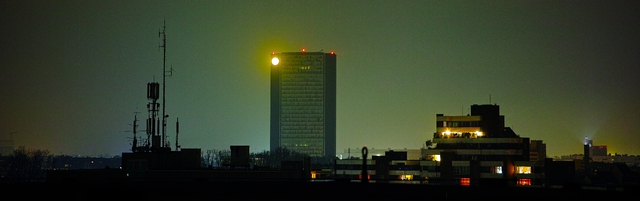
(303, 102)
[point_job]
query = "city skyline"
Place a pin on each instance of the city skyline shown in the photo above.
(73, 74)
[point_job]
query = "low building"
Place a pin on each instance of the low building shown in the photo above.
(478, 149)
(356, 153)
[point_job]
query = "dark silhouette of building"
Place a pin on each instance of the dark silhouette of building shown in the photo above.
(537, 150)
(560, 174)
(239, 157)
(598, 150)
(478, 148)
(66, 162)
(303, 102)
(586, 159)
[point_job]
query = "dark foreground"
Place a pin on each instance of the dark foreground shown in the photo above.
(293, 190)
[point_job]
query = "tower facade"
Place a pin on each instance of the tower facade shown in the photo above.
(303, 102)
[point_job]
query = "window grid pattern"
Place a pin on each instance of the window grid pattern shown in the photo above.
(302, 104)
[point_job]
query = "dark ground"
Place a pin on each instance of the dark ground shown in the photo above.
(293, 190)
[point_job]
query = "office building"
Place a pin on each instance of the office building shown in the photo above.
(478, 149)
(598, 150)
(303, 102)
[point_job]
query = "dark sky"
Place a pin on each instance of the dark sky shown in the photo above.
(73, 73)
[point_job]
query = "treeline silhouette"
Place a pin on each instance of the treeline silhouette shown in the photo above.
(220, 159)
(26, 165)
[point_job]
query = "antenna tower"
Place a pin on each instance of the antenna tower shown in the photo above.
(177, 131)
(134, 144)
(152, 107)
(165, 73)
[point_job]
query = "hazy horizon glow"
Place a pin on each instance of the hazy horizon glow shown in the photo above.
(74, 73)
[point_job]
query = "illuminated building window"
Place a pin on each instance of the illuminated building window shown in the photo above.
(433, 157)
(465, 181)
(368, 176)
(523, 169)
(406, 177)
(313, 175)
(524, 182)
(497, 169)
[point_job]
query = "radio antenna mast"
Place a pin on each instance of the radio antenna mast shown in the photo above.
(177, 131)
(165, 73)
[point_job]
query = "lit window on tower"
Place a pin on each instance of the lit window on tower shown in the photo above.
(465, 181)
(434, 157)
(524, 182)
(523, 169)
(406, 177)
(497, 169)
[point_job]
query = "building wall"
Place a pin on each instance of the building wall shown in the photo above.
(303, 103)
(447, 171)
(479, 140)
(599, 150)
(185, 159)
(537, 151)
(412, 154)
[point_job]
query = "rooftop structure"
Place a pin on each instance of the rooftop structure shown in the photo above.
(479, 136)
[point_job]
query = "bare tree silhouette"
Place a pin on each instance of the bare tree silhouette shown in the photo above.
(29, 165)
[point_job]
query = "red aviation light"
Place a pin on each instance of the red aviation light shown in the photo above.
(332, 52)
(303, 49)
(272, 53)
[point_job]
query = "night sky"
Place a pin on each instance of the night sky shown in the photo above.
(74, 73)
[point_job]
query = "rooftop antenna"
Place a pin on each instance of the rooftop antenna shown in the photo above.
(165, 73)
(152, 107)
(177, 131)
(134, 145)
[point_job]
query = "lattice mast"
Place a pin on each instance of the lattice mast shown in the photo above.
(165, 73)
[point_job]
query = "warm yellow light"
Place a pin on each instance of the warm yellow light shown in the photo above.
(406, 177)
(523, 169)
(275, 61)
(478, 133)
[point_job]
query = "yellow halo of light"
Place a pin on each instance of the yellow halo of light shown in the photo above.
(275, 61)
